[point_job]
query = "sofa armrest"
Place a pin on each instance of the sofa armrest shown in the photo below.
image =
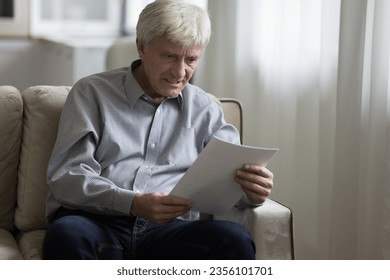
(271, 227)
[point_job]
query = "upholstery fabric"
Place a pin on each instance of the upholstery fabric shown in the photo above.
(30, 244)
(9, 249)
(42, 110)
(232, 109)
(122, 53)
(270, 227)
(11, 108)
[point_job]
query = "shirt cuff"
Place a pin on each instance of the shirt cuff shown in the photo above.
(123, 200)
(244, 203)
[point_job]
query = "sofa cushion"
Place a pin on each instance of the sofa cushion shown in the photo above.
(9, 250)
(30, 244)
(11, 111)
(42, 110)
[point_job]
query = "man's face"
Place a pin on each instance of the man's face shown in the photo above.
(166, 67)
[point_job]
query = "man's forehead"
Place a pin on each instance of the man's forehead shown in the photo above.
(163, 43)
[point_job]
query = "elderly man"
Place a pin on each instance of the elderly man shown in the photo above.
(125, 139)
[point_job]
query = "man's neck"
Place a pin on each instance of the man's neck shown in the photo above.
(140, 77)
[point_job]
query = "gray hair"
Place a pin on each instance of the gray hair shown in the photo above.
(184, 23)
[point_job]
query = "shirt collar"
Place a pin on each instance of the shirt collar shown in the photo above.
(133, 89)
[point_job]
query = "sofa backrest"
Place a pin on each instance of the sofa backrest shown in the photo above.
(41, 113)
(11, 111)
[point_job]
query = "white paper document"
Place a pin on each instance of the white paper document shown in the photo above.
(209, 183)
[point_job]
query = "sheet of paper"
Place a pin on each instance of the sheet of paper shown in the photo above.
(209, 183)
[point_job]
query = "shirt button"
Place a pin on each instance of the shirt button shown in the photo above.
(153, 145)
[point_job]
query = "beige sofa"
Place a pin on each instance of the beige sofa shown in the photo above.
(28, 129)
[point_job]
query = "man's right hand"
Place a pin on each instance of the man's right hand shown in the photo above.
(159, 207)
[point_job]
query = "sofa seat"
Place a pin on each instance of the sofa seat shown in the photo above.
(30, 244)
(9, 249)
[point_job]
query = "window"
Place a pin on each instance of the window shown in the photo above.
(6, 8)
(75, 17)
(14, 17)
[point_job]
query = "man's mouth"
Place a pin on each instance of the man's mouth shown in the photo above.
(172, 82)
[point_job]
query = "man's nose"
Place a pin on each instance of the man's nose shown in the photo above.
(178, 69)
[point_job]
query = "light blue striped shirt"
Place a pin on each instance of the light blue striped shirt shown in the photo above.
(113, 141)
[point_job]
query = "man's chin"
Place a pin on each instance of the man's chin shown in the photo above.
(173, 93)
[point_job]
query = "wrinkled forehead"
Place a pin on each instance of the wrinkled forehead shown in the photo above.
(165, 44)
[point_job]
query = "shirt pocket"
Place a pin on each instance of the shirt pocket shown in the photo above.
(183, 149)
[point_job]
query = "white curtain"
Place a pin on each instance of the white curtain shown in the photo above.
(314, 80)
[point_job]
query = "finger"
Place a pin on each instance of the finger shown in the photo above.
(255, 188)
(254, 192)
(256, 174)
(175, 200)
(257, 169)
(152, 205)
(173, 210)
(173, 205)
(252, 180)
(168, 213)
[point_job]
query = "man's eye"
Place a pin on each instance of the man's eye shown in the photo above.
(192, 60)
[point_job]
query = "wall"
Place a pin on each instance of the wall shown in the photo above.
(27, 62)
(17, 62)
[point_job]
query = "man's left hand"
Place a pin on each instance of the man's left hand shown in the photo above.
(255, 181)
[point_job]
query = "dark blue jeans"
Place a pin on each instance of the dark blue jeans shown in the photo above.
(80, 235)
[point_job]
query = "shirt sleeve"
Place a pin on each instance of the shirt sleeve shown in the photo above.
(74, 175)
(244, 203)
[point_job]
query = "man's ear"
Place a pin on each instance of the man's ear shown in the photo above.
(140, 48)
